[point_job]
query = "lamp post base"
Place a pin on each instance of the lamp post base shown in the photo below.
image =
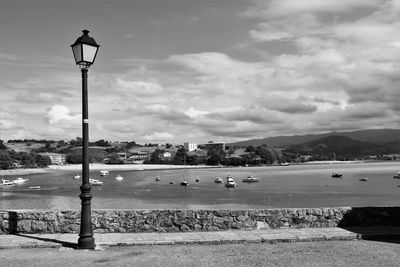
(86, 242)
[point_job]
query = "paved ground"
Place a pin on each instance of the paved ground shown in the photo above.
(215, 238)
(376, 246)
(321, 253)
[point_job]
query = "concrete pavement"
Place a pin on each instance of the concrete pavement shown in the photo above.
(215, 238)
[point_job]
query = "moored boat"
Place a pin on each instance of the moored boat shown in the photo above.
(5, 182)
(77, 176)
(230, 183)
(119, 177)
(250, 179)
(158, 178)
(218, 180)
(337, 175)
(184, 183)
(19, 180)
(36, 187)
(397, 176)
(363, 179)
(104, 172)
(95, 182)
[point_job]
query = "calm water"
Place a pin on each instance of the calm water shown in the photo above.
(279, 186)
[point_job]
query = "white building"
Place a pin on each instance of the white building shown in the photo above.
(57, 159)
(189, 146)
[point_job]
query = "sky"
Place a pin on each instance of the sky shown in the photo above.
(174, 71)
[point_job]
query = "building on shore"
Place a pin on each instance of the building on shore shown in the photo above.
(213, 146)
(56, 158)
(137, 157)
(189, 146)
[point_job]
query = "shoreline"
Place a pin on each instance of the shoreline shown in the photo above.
(144, 167)
(98, 167)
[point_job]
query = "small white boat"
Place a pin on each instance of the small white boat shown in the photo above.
(158, 178)
(363, 179)
(95, 182)
(19, 180)
(397, 176)
(77, 176)
(36, 187)
(230, 183)
(250, 179)
(218, 180)
(119, 177)
(104, 172)
(184, 183)
(5, 182)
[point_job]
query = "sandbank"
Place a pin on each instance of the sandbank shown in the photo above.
(97, 166)
(121, 167)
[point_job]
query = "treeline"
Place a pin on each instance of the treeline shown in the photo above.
(253, 156)
(19, 141)
(9, 159)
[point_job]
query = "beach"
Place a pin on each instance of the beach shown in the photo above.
(98, 166)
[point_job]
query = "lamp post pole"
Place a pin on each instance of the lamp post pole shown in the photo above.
(86, 240)
(85, 50)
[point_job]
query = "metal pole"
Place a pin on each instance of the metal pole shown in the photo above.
(86, 240)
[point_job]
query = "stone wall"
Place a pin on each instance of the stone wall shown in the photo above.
(121, 221)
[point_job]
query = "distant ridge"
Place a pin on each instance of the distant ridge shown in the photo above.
(374, 136)
(343, 147)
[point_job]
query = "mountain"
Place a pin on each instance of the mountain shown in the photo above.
(374, 136)
(342, 147)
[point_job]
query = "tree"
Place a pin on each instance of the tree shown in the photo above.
(101, 142)
(76, 142)
(131, 144)
(2, 146)
(6, 161)
(155, 157)
(215, 157)
(74, 158)
(42, 161)
(115, 159)
(180, 157)
(250, 149)
(60, 143)
(233, 161)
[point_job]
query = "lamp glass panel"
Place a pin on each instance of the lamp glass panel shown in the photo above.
(89, 53)
(77, 53)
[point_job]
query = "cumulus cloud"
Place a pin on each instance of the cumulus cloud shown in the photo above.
(59, 113)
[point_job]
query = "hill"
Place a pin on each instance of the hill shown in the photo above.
(374, 136)
(342, 147)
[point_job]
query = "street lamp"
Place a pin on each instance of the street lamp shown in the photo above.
(85, 49)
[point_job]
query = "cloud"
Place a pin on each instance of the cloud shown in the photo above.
(193, 113)
(142, 88)
(59, 113)
(159, 136)
(287, 8)
(7, 125)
